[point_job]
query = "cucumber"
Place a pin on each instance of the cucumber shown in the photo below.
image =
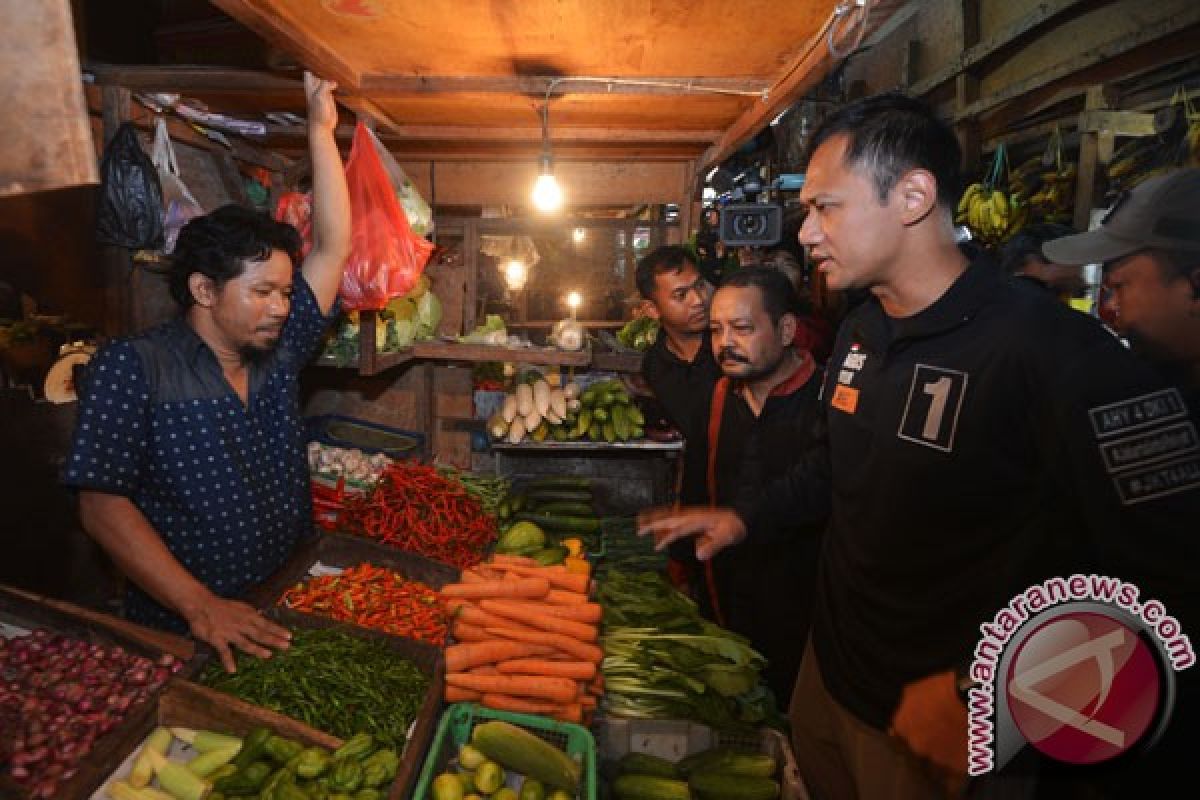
(620, 422)
(520, 751)
(728, 761)
(600, 414)
(543, 496)
(610, 432)
(560, 482)
(646, 764)
(550, 556)
(636, 416)
(570, 509)
(647, 787)
(724, 786)
(562, 523)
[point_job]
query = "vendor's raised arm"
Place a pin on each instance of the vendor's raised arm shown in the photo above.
(331, 201)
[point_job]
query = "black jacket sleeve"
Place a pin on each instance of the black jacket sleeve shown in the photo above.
(770, 505)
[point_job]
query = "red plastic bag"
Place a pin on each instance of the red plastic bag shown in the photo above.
(295, 208)
(386, 257)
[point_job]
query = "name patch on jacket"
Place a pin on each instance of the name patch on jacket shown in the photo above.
(934, 402)
(1149, 446)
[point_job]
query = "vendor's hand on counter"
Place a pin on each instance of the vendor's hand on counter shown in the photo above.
(225, 624)
(714, 528)
(931, 721)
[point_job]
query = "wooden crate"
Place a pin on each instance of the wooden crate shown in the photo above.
(29, 611)
(429, 660)
(344, 550)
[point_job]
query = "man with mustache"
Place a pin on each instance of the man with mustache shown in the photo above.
(765, 418)
(188, 453)
(970, 422)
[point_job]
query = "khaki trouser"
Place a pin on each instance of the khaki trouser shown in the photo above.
(842, 758)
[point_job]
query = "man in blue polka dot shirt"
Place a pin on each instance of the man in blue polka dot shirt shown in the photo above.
(188, 453)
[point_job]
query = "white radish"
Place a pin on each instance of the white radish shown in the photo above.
(524, 399)
(541, 397)
(509, 411)
(558, 403)
(516, 431)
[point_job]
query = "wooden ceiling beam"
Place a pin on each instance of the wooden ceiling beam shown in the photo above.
(384, 85)
(277, 29)
(191, 79)
(461, 133)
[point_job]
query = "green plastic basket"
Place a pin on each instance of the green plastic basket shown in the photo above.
(460, 719)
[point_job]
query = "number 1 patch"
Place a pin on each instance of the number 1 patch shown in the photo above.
(934, 402)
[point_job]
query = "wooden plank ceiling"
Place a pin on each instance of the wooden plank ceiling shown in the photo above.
(465, 79)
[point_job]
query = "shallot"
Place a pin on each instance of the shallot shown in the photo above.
(58, 695)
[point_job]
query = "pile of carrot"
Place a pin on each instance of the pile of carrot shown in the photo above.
(527, 640)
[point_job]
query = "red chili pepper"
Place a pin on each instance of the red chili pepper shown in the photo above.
(373, 597)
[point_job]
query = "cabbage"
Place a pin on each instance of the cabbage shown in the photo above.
(429, 314)
(492, 331)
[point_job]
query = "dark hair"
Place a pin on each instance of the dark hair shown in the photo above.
(891, 133)
(778, 294)
(668, 258)
(219, 245)
(1028, 242)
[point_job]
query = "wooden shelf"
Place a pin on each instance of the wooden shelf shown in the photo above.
(614, 361)
(641, 445)
(454, 351)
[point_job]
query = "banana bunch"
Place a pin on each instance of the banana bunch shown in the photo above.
(1132, 162)
(1055, 200)
(604, 412)
(991, 214)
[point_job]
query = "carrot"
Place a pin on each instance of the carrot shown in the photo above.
(589, 702)
(453, 694)
(460, 657)
(596, 686)
(489, 573)
(576, 670)
(584, 612)
(578, 630)
(571, 712)
(559, 597)
(581, 650)
(521, 561)
(528, 587)
(521, 705)
(559, 690)
(477, 616)
(486, 669)
(465, 632)
(557, 576)
(469, 576)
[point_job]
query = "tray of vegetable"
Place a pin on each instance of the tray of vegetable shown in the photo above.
(507, 756)
(194, 747)
(68, 687)
(331, 551)
(344, 680)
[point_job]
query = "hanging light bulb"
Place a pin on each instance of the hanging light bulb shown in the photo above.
(547, 196)
(574, 301)
(515, 274)
(579, 235)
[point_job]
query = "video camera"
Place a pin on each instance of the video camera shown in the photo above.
(754, 223)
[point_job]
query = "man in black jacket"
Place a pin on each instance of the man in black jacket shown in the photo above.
(765, 417)
(968, 421)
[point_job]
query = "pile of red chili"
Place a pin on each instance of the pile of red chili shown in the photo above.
(416, 509)
(373, 597)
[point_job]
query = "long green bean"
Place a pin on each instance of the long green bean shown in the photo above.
(335, 682)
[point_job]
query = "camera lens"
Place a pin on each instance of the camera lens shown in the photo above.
(750, 225)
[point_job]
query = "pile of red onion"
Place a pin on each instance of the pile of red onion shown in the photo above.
(58, 695)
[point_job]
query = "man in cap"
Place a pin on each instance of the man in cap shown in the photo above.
(1149, 244)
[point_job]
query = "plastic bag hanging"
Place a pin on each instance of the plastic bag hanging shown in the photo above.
(130, 210)
(386, 257)
(417, 211)
(179, 205)
(295, 208)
